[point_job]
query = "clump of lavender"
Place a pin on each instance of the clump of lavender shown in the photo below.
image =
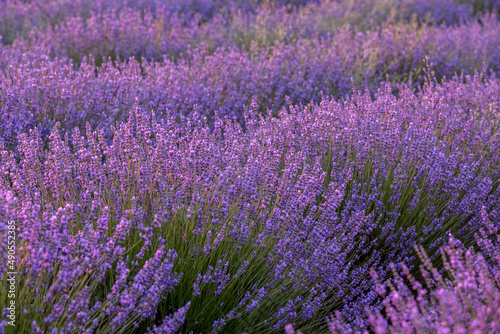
(462, 298)
(65, 270)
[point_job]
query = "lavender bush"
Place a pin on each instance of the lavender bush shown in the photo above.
(464, 298)
(246, 166)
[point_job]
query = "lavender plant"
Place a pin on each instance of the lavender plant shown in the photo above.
(464, 297)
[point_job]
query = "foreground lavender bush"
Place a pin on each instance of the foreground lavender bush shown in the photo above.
(462, 299)
(170, 226)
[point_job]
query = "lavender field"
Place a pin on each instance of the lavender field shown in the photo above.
(250, 166)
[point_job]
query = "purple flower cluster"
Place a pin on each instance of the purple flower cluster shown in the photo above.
(63, 270)
(463, 298)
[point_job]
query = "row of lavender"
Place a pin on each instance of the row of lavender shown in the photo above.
(218, 19)
(39, 91)
(154, 33)
(173, 226)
